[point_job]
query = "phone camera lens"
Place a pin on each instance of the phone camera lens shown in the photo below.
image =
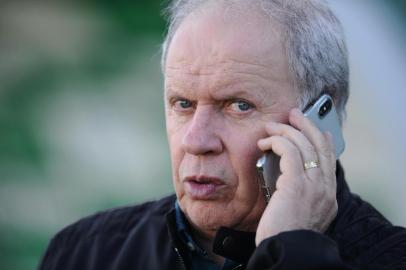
(325, 108)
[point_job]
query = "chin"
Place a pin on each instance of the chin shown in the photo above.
(209, 216)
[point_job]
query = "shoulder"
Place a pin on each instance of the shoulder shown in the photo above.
(366, 237)
(111, 227)
(118, 220)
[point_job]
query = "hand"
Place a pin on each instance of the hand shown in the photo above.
(303, 199)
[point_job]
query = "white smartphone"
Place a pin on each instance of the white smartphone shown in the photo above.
(324, 115)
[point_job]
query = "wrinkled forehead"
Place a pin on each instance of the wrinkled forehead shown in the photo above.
(214, 31)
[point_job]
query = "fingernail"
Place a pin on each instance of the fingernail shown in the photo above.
(260, 143)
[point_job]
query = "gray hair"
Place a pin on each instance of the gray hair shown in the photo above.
(312, 35)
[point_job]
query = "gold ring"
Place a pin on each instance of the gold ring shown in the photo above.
(311, 164)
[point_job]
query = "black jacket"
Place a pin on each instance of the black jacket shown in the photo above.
(144, 237)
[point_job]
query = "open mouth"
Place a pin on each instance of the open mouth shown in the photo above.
(202, 188)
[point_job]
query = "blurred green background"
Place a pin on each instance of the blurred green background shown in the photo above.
(82, 122)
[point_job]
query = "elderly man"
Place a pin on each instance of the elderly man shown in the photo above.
(237, 76)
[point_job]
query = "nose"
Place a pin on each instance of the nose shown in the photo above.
(202, 134)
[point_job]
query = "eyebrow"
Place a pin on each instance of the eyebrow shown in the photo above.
(229, 89)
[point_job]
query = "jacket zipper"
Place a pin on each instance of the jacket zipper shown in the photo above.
(182, 262)
(183, 266)
(238, 267)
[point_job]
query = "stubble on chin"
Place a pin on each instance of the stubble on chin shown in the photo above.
(208, 216)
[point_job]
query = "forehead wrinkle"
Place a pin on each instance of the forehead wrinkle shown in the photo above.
(266, 71)
(229, 66)
(259, 83)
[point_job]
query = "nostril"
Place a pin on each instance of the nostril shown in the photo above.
(202, 143)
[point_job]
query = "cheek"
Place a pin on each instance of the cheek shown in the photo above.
(174, 136)
(176, 161)
(244, 155)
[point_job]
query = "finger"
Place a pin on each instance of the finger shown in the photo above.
(307, 150)
(330, 141)
(316, 138)
(291, 162)
(333, 158)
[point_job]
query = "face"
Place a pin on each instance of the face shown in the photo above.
(224, 80)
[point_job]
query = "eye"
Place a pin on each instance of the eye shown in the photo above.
(241, 106)
(181, 104)
(184, 103)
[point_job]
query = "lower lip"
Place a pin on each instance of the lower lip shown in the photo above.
(201, 191)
